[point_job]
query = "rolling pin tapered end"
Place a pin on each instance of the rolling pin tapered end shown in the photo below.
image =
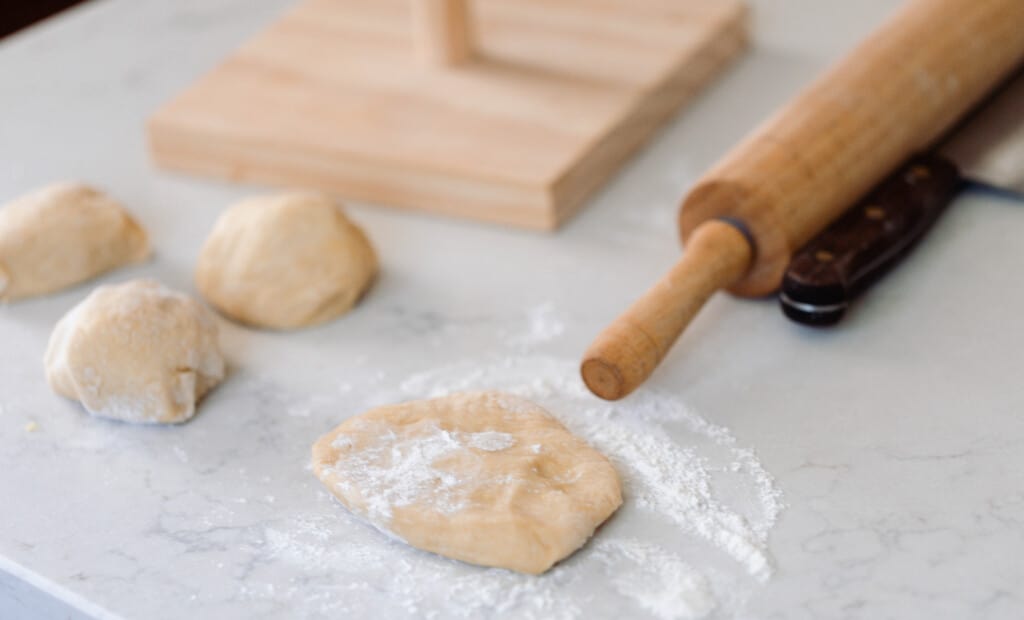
(621, 358)
(626, 353)
(603, 379)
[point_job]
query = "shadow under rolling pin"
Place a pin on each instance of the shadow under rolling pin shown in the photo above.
(893, 95)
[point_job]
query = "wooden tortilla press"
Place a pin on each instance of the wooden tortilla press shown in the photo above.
(896, 93)
(505, 111)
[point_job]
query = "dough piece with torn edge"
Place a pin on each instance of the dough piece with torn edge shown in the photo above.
(62, 235)
(136, 352)
(484, 477)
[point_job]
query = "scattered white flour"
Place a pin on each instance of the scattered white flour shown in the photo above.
(690, 540)
(490, 441)
(392, 472)
(658, 580)
(542, 325)
(121, 407)
(399, 473)
(660, 475)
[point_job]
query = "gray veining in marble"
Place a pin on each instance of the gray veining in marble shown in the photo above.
(898, 439)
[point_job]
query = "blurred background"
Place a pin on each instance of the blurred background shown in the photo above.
(17, 14)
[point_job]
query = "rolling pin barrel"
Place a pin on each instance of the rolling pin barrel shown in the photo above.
(895, 94)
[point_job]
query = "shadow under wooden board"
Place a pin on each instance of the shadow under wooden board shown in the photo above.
(554, 98)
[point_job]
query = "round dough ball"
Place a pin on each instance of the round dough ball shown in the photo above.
(485, 478)
(62, 235)
(137, 352)
(285, 261)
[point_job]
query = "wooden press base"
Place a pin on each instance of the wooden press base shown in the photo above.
(559, 95)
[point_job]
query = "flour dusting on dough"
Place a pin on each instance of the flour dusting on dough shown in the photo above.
(490, 441)
(664, 478)
(690, 542)
(394, 471)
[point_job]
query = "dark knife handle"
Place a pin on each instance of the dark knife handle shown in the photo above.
(868, 240)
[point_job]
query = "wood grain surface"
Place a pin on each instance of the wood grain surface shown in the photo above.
(442, 31)
(554, 99)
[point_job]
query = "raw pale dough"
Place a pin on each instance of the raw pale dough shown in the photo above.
(137, 352)
(485, 477)
(62, 235)
(285, 261)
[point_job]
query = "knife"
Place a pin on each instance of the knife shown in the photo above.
(869, 239)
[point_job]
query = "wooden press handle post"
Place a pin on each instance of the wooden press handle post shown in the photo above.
(627, 351)
(442, 31)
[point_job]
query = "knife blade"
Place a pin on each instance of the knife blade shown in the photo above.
(868, 240)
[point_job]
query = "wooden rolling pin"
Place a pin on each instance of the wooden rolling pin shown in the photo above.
(896, 93)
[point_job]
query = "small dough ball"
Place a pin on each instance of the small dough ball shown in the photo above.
(137, 352)
(484, 477)
(285, 261)
(62, 235)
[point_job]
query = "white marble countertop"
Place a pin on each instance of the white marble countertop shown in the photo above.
(896, 441)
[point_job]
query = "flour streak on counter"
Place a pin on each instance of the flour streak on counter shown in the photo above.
(699, 554)
(544, 323)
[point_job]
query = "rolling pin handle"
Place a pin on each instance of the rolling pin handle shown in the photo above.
(717, 254)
